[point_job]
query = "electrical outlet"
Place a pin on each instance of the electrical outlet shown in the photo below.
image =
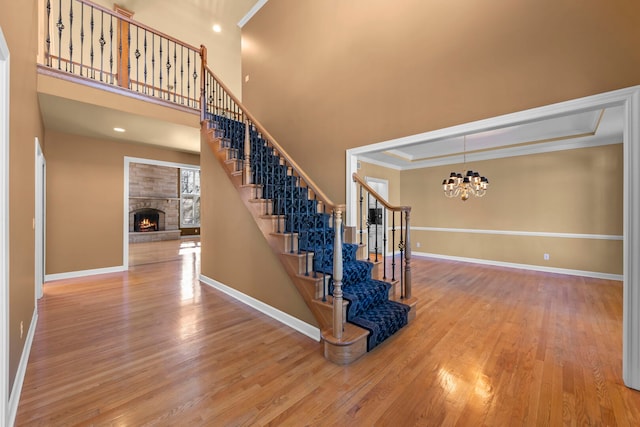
(417, 244)
(21, 329)
(546, 257)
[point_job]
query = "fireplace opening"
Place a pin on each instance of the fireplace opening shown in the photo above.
(146, 220)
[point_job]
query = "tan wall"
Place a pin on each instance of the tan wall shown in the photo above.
(330, 75)
(25, 125)
(574, 191)
(234, 251)
(85, 188)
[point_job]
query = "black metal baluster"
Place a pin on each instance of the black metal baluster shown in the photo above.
(300, 210)
(168, 66)
(70, 36)
(368, 226)
(111, 49)
(81, 36)
(91, 55)
(137, 55)
(393, 246)
(160, 69)
(188, 78)
(153, 64)
(195, 76)
(182, 74)
(293, 218)
(146, 86)
(315, 274)
(401, 247)
(102, 41)
(384, 243)
(361, 212)
(175, 69)
(48, 37)
(376, 229)
(60, 27)
(129, 84)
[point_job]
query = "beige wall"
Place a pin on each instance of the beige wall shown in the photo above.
(85, 188)
(330, 75)
(574, 191)
(25, 125)
(234, 251)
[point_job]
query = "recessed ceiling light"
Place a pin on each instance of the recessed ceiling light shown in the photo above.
(217, 28)
(118, 129)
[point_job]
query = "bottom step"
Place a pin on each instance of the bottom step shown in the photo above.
(382, 321)
(349, 348)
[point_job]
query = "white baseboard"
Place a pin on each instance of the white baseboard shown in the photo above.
(282, 317)
(16, 390)
(83, 273)
(594, 274)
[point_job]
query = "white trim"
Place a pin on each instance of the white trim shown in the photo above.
(523, 233)
(282, 317)
(125, 215)
(631, 221)
(16, 391)
(40, 165)
(4, 226)
(256, 7)
(582, 273)
(83, 273)
(629, 98)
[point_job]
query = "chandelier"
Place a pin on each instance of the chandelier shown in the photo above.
(471, 184)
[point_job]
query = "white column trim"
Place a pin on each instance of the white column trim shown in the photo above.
(631, 221)
(4, 228)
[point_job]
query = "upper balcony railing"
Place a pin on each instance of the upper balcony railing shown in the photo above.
(92, 42)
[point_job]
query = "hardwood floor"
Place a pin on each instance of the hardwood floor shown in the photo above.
(489, 346)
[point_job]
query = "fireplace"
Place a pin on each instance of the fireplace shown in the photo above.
(148, 220)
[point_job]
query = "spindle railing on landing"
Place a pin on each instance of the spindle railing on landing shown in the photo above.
(376, 215)
(86, 40)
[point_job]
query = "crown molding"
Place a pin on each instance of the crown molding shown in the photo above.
(256, 7)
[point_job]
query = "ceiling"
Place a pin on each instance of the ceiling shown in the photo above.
(581, 129)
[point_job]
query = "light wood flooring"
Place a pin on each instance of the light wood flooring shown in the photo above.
(489, 346)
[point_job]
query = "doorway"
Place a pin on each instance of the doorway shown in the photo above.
(629, 100)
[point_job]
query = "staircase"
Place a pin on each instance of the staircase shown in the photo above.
(356, 312)
(305, 230)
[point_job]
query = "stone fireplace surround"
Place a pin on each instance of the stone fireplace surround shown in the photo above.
(154, 187)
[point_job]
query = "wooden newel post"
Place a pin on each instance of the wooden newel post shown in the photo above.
(337, 275)
(407, 254)
(203, 76)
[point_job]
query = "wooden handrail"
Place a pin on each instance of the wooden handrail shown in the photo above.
(310, 183)
(379, 198)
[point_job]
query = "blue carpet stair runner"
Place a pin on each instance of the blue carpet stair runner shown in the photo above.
(368, 299)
